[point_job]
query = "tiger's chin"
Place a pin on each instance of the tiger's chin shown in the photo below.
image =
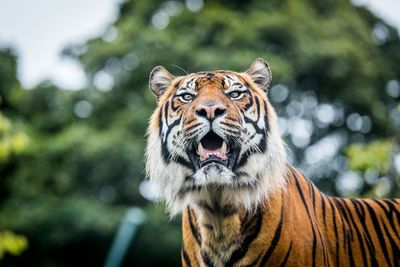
(213, 174)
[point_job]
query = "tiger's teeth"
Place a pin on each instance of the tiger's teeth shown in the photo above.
(224, 146)
(201, 150)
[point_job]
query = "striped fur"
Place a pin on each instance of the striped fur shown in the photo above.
(299, 226)
(259, 211)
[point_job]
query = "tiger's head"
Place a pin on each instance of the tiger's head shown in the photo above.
(214, 138)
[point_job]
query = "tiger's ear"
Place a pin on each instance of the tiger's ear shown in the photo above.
(160, 79)
(260, 72)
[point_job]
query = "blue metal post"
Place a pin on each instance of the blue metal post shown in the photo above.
(127, 229)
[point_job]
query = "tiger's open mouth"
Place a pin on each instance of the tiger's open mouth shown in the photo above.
(213, 148)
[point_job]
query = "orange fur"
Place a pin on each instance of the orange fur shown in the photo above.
(297, 232)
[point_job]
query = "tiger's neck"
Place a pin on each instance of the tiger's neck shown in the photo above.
(223, 235)
(220, 232)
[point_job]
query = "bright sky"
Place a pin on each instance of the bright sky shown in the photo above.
(40, 29)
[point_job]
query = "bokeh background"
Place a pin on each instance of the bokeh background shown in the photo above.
(71, 161)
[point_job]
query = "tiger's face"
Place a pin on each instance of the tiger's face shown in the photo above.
(213, 137)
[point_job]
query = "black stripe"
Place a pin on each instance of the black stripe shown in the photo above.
(191, 127)
(233, 132)
(189, 82)
(164, 149)
(231, 125)
(191, 137)
(252, 234)
(356, 226)
(246, 222)
(342, 223)
(166, 112)
(204, 205)
(348, 238)
(248, 105)
(217, 210)
(174, 101)
(287, 255)
(312, 195)
(213, 249)
(274, 241)
(258, 107)
(262, 145)
(266, 120)
(206, 259)
(232, 119)
(223, 84)
(184, 162)
(350, 253)
(389, 214)
(209, 226)
(160, 123)
(190, 121)
(228, 76)
(171, 126)
(178, 83)
(183, 191)
(336, 231)
(254, 124)
(192, 228)
(323, 207)
(361, 214)
(237, 84)
(310, 185)
(228, 211)
(185, 256)
(378, 230)
(393, 200)
(309, 217)
(394, 247)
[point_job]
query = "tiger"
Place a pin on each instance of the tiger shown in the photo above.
(215, 154)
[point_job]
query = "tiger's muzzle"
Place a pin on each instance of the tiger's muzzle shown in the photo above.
(212, 148)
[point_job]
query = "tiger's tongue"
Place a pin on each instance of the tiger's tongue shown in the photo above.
(219, 152)
(211, 150)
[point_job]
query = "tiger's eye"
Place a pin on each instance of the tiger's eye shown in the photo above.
(186, 97)
(235, 94)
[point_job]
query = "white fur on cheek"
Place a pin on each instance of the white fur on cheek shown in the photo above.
(167, 177)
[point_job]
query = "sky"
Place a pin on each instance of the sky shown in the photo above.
(38, 30)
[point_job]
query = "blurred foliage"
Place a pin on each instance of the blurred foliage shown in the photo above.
(375, 155)
(377, 160)
(12, 243)
(335, 83)
(11, 141)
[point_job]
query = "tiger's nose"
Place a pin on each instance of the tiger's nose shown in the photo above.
(210, 110)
